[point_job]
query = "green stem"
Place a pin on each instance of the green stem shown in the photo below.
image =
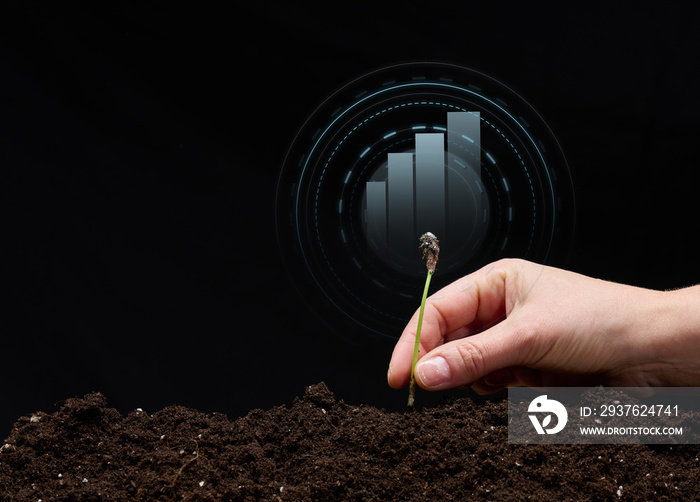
(416, 346)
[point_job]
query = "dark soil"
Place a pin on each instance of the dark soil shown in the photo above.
(322, 449)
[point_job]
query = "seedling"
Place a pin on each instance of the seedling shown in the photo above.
(430, 247)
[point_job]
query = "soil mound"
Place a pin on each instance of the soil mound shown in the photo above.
(321, 449)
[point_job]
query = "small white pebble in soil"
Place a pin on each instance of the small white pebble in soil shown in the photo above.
(162, 437)
(139, 410)
(35, 418)
(619, 491)
(85, 480)
(281, 489)
(201, 483)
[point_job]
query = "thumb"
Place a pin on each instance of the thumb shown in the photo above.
(464, 361)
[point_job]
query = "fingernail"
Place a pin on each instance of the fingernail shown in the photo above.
(434, 372)
(498, 378)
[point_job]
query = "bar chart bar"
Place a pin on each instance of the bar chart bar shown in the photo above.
(430, 183)
(400, 223)
(464, 138)
(376, 216)
(464, 188)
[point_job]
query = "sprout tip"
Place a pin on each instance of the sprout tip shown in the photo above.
(430, 246)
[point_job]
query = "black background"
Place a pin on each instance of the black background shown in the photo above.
(139, 151)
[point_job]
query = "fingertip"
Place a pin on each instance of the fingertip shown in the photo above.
(434, 373)
(392, 379)
(494, 382)
(388, 377)
(499, 378)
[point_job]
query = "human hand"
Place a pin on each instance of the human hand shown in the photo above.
(517, 323)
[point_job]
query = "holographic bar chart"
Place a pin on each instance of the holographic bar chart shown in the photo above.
(436, 187)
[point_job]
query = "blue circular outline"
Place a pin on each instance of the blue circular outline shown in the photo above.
(420, 84)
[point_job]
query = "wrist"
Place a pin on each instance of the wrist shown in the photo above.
(669, 331)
